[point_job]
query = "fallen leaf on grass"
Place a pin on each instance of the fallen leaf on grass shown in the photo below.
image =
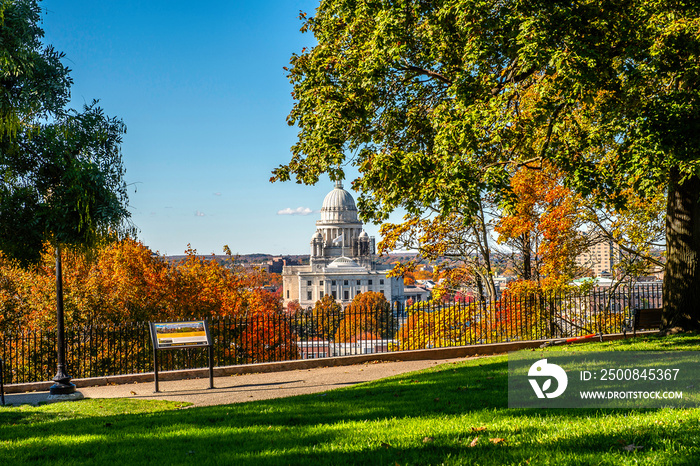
(428, 439)
(478, 429)
(632, 447)
(497, 440)
(474, 442)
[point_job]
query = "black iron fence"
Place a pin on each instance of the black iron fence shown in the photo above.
(315, 333)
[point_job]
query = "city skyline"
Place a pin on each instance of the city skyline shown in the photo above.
(204, 96)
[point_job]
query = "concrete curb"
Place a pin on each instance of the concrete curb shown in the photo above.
(413, 355)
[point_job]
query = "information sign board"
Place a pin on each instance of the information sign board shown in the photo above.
(180, 334)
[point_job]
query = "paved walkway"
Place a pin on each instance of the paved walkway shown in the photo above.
(246, 387)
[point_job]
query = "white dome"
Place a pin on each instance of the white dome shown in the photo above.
(316, 236)
(339, 206)
(364, 235)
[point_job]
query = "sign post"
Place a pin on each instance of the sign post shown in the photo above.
(181, 335)
(2, 386)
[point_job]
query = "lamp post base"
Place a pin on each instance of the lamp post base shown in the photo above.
(62, 389)
(63, 385)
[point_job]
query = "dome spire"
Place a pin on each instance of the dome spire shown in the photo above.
(339, 184)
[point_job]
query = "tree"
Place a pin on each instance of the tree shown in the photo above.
(541, 221)
(436, 324)
(437, 102)
(327, 315)
(34, 81)
(124, 281)
(637, 231)
(61, 175)
(268, 335)
(369, 314)
(462, 245)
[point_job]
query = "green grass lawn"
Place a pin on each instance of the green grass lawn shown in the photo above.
(451, 414)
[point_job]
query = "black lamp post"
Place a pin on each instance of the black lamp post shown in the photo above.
(63, 385)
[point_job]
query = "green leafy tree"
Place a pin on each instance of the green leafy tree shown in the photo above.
(438, 102)
(61, 174)
(35, 83)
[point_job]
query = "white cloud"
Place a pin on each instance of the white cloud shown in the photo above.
(199, 214)
(297, 211)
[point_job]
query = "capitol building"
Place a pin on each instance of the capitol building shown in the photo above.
(343, 259)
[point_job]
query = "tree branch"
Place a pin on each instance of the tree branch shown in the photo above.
(427, 72)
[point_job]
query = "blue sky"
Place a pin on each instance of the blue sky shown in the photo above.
(204, 96)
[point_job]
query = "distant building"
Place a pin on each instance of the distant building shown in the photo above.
(427, 284)
(600, 258)
(416, 293)
(343, 260)
(276, 264)
(501, 282)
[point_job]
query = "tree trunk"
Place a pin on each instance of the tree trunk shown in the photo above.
(527, 256)
(681, 293)
(485, 250)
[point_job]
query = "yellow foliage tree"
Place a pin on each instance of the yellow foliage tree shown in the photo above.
(368, 314)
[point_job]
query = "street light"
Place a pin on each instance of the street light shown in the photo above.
(63, 385)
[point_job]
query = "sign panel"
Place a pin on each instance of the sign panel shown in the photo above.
(180, 334)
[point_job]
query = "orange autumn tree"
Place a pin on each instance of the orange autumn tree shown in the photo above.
(368, 317)
(27, 298)
(327, 315)
(126, 282)
(205, 288)
(268, 335)
(540, 221)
